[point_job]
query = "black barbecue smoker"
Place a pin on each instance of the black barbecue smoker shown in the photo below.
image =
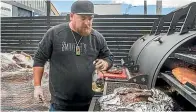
(149, 64)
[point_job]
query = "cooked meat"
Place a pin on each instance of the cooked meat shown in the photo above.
(135, 99)
(185, 75)
(132, 98)
(131, 95)
(129, 90)
(115, 70)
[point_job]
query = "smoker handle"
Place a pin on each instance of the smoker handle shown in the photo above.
(142, 38)
(158, 40)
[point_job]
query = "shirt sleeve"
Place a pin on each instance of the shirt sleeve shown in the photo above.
(44, 50)
(105, 52)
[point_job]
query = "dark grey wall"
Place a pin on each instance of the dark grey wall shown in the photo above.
(120, 31)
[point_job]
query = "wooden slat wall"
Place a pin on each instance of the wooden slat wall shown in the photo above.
(24, 33)
(120, 31)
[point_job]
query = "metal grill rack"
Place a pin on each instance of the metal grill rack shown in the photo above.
(189, 58)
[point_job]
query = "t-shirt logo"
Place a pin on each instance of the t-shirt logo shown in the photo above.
(72, 47)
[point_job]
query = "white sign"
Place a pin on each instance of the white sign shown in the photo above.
(108, 9)
(6, 9)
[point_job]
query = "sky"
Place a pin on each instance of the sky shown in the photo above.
(168, 5)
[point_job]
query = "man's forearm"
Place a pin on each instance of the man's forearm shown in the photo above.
(37, 75)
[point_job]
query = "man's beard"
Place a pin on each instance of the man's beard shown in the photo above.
(84, 32)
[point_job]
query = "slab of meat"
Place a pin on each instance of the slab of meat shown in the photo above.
(135, 96)
(131, 95)
(125, 91)
(185, 75)
(115, 70)
(135, 99)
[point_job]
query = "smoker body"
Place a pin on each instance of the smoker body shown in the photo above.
(154, 55)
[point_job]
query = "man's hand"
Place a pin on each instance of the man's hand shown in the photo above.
(38, 94)
(101, 64)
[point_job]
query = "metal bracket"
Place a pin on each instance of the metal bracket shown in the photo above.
(139, 79)
(127, 61)
(133, 68)
(143, 38)
(158, 40)
(154, 27)
(129, 64)
(189, 21)
(177, 16)
(174, 16)
(181, 14)
(190, 87)
(167, 17)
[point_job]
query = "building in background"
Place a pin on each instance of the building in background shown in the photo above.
(6, 10)
(103, 9)
(26, 8)
(108, 9)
